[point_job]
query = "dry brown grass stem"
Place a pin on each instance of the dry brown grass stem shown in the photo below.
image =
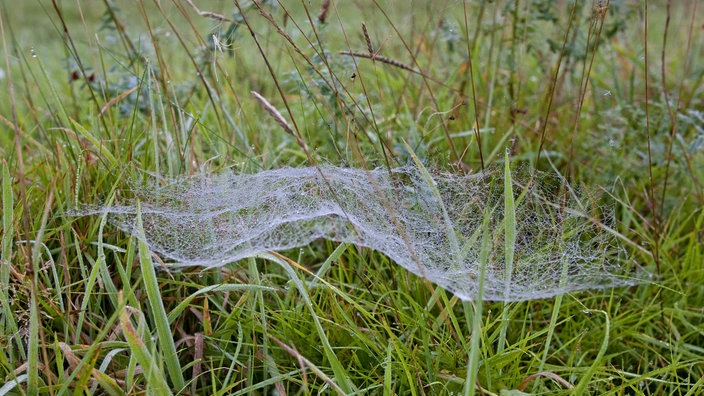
(273, 112)
(381, 59)
(398, 64)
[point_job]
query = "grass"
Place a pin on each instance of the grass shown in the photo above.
(607, 93)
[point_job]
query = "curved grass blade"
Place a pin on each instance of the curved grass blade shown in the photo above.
(161, 320)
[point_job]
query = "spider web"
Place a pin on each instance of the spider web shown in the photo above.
(432, 229)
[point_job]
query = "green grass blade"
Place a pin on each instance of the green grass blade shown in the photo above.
(7, 325)
(33, 345)
(334, 256)
(88, 298)
(475, 346)
(581, 387)
(7, 224)
(341, 375)
(454, 243)
(101, 264)
(99, 269)
(553, 320)
(258, 301)
(509, 246)
(402, 359)
(112, 162)
(140, 352)
(161, 321)
(388, 371)
(309, 365)
(222, 288)
(35, 294)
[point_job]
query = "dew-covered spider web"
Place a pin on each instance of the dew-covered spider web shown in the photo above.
(431, 228)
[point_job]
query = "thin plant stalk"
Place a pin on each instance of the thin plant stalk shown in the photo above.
(475, 105)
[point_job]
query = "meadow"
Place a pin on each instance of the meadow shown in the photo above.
(605, 97)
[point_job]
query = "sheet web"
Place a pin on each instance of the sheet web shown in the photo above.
(213, 220)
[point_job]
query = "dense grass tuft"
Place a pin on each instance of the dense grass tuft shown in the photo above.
(607, 94)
